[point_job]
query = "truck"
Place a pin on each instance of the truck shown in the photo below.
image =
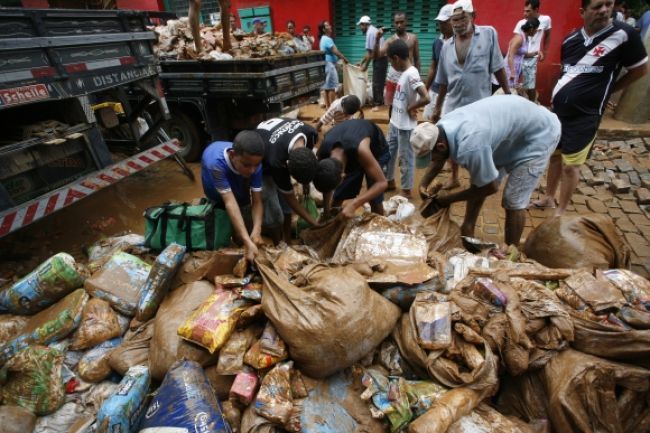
(65, 77)
(212, 100)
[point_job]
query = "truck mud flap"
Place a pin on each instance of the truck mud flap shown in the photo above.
(26, 213)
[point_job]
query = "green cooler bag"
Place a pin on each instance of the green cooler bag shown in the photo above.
(198, 227)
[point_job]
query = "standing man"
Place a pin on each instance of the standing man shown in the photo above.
(493, 137)
(592, 58)
(357, 148)
(444, 26)
(231, 174)
(467, 62)
(379, 64)
(538, 43)
(288, 145)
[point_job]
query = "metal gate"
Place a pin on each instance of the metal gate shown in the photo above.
(420, 14)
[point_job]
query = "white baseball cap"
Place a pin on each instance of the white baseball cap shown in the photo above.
(445, 13)
(364, 20)
(464, 6)
(424, 137)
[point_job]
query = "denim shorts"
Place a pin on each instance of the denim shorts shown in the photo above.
(275, 206)
(331, 77)
(528, 73)
(521, 183)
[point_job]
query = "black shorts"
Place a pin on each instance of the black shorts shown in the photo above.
(578, 132)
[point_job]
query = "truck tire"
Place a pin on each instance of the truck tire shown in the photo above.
(188, 132)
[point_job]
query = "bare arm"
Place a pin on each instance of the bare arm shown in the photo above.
(374, 172)
(420, 102)
(631, 76)
(292, 201)
(257, 211)
(515, 44)
(234, 213)
(363, 64)
(434, 168)
(432, 74)
(377, 51)
(416, 53)
(546, 44)
(327, 203)
(442, 93)
(469, 193)
(503, 81)
(339, 54)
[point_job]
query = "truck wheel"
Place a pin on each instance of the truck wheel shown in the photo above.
(187, 131)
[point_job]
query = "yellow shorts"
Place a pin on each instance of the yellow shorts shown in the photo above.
(577, 158)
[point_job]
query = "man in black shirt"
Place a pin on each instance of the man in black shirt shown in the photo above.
(357, 148)
(592, 58)
(288, 145)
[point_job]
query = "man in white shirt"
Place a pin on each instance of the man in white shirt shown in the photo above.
(538, 43)
(379, 63)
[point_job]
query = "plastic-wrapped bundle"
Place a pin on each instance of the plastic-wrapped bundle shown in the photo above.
(123, 410)
(184, 403)
(49, 282)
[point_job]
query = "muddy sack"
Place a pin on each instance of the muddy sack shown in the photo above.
(11, 325)
(119, 282)
(134, 349)
(98, 324)
(15, 419)
(166, 346)
(485, 419)
(331, 322)
(93, 366)
(441, 232)
(123, 410)
(581, 393)
(324, 239)
(34, 380)
(158, 281)
(588, 241)
(49, 282)
(51, 324)
(449, 408)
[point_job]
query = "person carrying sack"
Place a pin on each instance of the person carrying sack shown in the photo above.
(231, 174)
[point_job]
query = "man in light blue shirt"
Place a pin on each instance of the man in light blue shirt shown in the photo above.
(379, 64)
(494, 137)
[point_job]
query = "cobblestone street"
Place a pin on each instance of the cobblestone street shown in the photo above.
(615, 181)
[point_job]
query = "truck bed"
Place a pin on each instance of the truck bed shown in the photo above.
(269, 79)
(53, 54)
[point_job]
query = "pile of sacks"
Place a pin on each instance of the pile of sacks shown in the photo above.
(370, 326)
(175, 41)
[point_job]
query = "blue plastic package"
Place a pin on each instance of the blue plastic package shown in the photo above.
(123, 411)
(185, 402)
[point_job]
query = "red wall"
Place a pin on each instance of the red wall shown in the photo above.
(302, 12)
(141, 5)
(504, 14)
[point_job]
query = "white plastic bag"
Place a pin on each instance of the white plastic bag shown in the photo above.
(355, 82)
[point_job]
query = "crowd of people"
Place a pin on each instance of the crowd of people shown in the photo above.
(494, 137)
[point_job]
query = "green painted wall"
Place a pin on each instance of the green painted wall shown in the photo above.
(420, 14)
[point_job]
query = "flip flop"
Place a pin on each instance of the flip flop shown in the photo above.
(535, 205)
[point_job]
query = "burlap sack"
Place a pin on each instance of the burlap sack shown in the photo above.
(331, 322)
(98, 324)
(572, 241)
(324, 239)
(441, 232)
(15, 419)
(166, 346)
(134, 350)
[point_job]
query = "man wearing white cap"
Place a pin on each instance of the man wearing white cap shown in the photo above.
(467, 62)
(494, 137)
(379, 63)
(445, 33)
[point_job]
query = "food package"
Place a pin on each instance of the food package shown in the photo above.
(63, 419)
(184, 402)
(102, 251)
(274, 400)
(599, 294)
(167, 346)
(433, 322)
(94, 366)
(635, 288)
(258, 359)
(98, 324)
(16, 419)
(51, 324)
(231, 355)
(211, 325)
(251, 315)
(123, 410)
(34, 380)
(134, 349)
(486, 290)
(244, 387)
(335, 302)
(376, 238)
(271, 343)
(231, 281)
(10, 326)
(449, 408)
(158, 281)
(223, 262)
(45, 285)
(120, 282)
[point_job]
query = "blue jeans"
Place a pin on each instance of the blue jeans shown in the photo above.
(399, 139)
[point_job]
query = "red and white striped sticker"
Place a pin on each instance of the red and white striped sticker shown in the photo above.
(26, 213)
